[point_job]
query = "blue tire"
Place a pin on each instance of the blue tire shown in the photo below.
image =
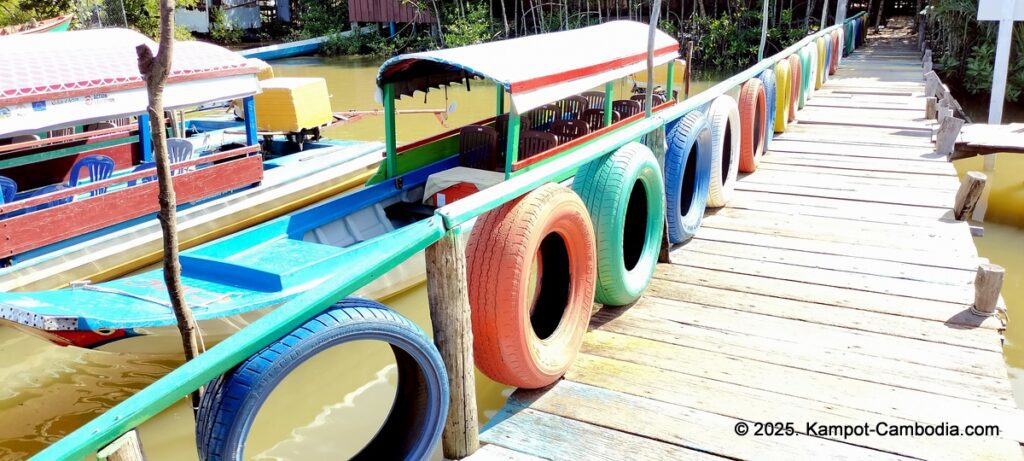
(828, 57)
(768, 80)
(231, 401)
(687, 174)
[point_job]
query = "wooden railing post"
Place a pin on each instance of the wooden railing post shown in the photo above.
(945, 138)
(448, 296)
(931, 110)
(988, 282)
(127, 447)
(931, 86)
(968, 194)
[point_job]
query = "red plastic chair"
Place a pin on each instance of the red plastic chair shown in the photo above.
(595, 118)
(572, 107)
(595, 99)
(567, 130)
(477, 146)
(627, 108)
(534, 142)
(542, 117)
(656, 99)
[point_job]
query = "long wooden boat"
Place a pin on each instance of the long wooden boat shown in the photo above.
(232, 280)
(55, 234)
(57, 24)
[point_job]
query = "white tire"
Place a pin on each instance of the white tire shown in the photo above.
(724, 118)
(814, 69)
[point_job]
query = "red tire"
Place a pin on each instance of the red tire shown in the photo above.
(753, 124)
(795, 75)
(531, 278)
(834, 65)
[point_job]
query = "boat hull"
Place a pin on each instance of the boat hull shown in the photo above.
(310, 177)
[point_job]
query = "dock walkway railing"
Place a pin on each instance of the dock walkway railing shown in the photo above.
(373, 261)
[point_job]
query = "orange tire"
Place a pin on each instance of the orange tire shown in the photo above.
(531, 275)
(834, 65)
(795, 75)
(753, 124)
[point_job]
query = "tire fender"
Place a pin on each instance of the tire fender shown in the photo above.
(753, 125)
(724, 119)
(687, 173)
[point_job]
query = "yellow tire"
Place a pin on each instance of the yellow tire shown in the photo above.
(782, 93)
(821, 64)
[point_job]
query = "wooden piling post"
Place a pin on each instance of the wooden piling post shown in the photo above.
(968, 194)
(448, 296)
(927, 61)
(931, 108)
(988, 282)
(127, 447)
(949, 130)
(931, 86)
(944, 111)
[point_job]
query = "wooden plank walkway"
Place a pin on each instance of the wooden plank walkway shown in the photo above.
(834, 289)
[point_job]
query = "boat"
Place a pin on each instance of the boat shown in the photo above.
(91, 104)
(236, 279)
(57, 24)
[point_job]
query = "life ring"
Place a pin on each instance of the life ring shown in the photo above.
(625, 194)
(413, 428)
(687, 173)
(782, 88)
(767, 79)
(753, 123)
(724, 119)
(818, 82)
(805, 77)
(795, 74)
(531, 277)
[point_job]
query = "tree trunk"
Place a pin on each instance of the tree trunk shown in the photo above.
(504, 17)
(155, 72)
(807, 15)
(878, 19)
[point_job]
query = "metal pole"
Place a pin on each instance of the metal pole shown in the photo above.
(824, 14)
(841, 12)
(764, 30)
(651, 29)
(995, 105)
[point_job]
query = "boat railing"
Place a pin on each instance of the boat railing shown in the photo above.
(44, 219)
(56, 140)
(371, 259)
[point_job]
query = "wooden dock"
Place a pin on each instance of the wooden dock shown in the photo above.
(834, 289)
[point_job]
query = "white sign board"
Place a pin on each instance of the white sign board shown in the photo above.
(998, 10)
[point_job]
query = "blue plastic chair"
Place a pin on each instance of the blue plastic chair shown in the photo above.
(180, 150)
(141, 167)
(7, 189)
(100, 167)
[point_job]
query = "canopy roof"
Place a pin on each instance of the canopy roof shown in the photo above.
(536, 69)
(51, 80)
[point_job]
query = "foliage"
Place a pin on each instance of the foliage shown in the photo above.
(323, 17)
(221, 30)
(374, 44)
(731, 40)
(144, 16)
(14, 12)
(468, 25)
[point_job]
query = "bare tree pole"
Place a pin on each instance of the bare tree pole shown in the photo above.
(878, 19)
(807, 15)
(764, 30)
(504, 17)
(155, 71)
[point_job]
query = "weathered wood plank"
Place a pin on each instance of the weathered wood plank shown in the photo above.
(806, 355)
(777, 174)
(726, 234)
(552, 437)
(788, 205)
(882, 399)
(752, 404)
(675, 424)
(795, 258)
(499, 453)
(890, 211)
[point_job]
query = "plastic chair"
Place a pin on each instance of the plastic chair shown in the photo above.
(542, 117)
(25, 138)
(501, 125)
(627, 107)
(99, 126)
(61, 132)
(567, 130)
(100, 167)
(142, 167)
(595, 99)
(656, 99)
(534, 142)
(595, 118)
(477, 146)
(7, 189)
(180, 150)
(572, 107)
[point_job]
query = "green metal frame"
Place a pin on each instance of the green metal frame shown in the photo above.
(370, 259)
(512, 143)
(390, 141)
(609, 96)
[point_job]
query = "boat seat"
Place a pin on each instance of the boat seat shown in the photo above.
(353, 228)
(442, 180)
(271, 266)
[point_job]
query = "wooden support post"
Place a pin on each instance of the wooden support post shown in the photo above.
(968, 194)
(665, 255)
(927, 58)
(931, 85)
(944, 111)
(988, 282)
(127, 447)
(453, 334)
(945, 139)
(930, 108)
(356, 30)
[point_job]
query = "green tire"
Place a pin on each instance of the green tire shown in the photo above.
(625, 194)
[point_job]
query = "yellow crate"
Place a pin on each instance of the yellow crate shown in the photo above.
(292, 104)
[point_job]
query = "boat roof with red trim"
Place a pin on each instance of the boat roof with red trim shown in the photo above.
(53, 80)
(537, 69)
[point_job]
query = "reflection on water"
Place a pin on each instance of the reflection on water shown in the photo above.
(328, 407)
(1002, 206)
